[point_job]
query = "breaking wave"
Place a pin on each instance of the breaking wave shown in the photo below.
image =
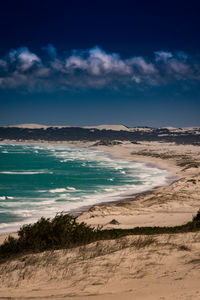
(68, 178)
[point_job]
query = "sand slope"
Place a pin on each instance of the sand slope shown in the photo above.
(159, 267)
(170, 205)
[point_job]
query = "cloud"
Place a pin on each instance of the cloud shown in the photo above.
(163, 56)
(23, 59)
(93, 68)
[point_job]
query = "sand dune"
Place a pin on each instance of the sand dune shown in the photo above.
(109, 127)
(30, 126)
(158, 267)
(115, 127)
(170, 205)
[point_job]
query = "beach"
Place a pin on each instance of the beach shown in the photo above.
(157, 267)
(169, 205)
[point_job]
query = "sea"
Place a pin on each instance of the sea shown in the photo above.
(42, 180)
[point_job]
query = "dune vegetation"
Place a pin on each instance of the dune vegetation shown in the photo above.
(63, 231)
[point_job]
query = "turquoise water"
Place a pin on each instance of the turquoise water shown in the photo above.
(41, 180)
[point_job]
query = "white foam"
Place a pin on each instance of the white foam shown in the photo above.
(49, 205)
(58, 190)
(109, 189)
(61, 190)
(71, 188)
(25, 172)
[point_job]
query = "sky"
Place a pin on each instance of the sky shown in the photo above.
(80, 63)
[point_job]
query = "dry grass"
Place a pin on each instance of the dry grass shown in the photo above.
(163, 155)
(89, 268)
(182, 160)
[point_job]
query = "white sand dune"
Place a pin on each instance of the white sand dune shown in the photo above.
(109, 127)
(29, 126)
(100, 127)
(116, 127)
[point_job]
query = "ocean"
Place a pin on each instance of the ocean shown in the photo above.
(42, 180)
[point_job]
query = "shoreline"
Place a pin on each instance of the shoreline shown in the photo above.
(160, 164)
(109, 149)
(166, 205)
(84, 209)
(127, 208)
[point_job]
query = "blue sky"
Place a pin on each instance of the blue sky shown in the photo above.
(88, 63)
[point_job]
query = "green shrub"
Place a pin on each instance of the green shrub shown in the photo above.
(63, 231)
(9, 247)
(60, 232)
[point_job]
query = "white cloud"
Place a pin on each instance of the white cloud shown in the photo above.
(93, 68)
(107, 63)
(75, 62)
(27, 59)
(23, 58)
(97, 62)
(179, 67)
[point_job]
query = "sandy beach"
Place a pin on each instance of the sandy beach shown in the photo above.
(170, 205)
(156, 267)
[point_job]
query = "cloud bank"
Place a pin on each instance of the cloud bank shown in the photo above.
(94, 68)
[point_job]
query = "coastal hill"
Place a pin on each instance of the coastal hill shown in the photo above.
(105, 133)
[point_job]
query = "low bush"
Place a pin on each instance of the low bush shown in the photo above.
(61, 231)
(64, 231)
